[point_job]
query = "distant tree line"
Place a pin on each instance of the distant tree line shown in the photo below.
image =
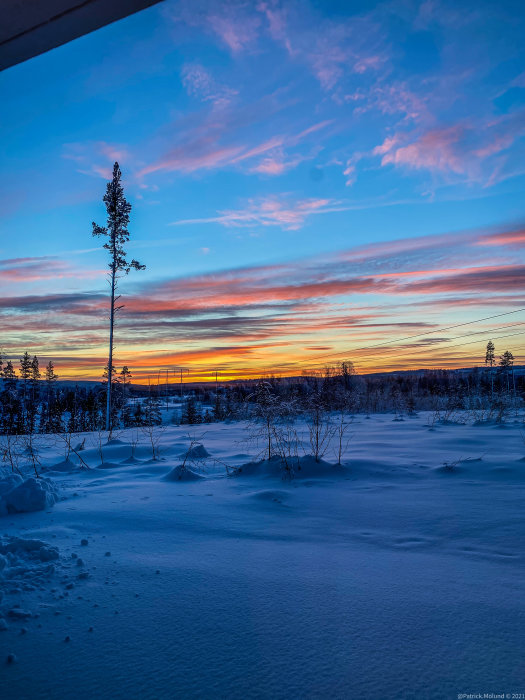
(492, 391)
(35, 402)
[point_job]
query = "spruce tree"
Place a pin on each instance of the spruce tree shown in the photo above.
(125, 380)
(490, 361)
(105, 374)
(489, 355)
(191, 415)
(11, 407)
(50, 374)
(32, 399)
(10, 373)
(125, 376)
(218, 410)
(138, 415)
(35, 378)
(25, 368)
(118, 210)
(506, 362)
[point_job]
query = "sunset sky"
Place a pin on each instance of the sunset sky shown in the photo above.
(310, 181)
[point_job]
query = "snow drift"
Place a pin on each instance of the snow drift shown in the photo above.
(293, 467)
(25, 496)
(181, 473)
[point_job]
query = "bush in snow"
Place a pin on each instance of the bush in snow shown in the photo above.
(320, 428)
(270, 413)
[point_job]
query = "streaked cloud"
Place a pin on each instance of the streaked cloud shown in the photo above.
(271, 211)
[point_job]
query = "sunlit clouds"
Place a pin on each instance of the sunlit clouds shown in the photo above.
(270, 317)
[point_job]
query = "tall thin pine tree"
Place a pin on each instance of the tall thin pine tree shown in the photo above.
(116, 230)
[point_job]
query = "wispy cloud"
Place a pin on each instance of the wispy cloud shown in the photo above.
(199, 82)
(233, 22)
(95, 158)
(270, 211)
(32, 269)
(220, 141)
(464, 149)
(434, 150)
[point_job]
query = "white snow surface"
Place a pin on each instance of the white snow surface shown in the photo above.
(391, 576)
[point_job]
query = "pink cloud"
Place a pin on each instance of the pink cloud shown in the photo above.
(434, 150)
(277, 22)
(237, 34)
(272, 166)
(186, 162)
(112, 151)
(474, 151)
(219, 139)
(95, 158)
(350, 173)
(390, 98)
(199, 83)
(500, 143)
(387, 146)
(515, 239)
(234, 22)
(32, 269)
(278, 164)
(203, 154)
(271, 211)
(268, 145)
(315, 127)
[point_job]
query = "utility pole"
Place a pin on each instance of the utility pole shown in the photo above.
(216, 373)
(181, 370)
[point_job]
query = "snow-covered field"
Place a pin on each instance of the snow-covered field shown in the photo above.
(389, 577)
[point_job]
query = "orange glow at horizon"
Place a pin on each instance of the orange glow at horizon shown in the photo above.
(398, 305)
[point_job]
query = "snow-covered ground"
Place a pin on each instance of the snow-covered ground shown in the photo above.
(389, 577)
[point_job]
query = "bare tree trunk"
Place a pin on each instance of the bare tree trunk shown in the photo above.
(110, 361)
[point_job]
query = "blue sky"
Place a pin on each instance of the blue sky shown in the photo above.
(261, 140)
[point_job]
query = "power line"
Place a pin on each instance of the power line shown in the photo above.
(390, 350)
(463, 335)
(306, 364)
(450, 347)
(409, 337)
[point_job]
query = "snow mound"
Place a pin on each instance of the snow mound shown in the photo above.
(8, 482)
(306, 467)
(25, 496)
(449, 470)
(131, 460)
(108, 465)
(115, 441)
(181, 473)
(65, 466)
(196, 452)
(273, 496)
